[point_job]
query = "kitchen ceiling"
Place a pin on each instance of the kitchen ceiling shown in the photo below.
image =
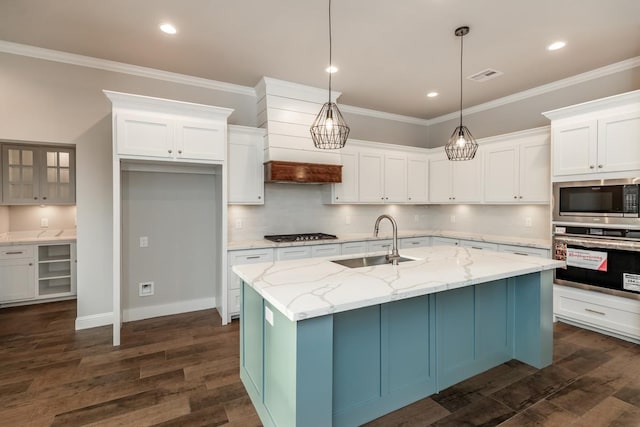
(390, 54)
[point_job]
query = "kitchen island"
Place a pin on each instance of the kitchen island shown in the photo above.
(323, 344)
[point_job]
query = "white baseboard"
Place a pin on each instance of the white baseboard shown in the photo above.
(94, 320)
(139, 313)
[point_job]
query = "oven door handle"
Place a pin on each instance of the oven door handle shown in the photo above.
(622, 245)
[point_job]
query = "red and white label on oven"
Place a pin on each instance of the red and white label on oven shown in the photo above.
(592, 260)
(631, 282)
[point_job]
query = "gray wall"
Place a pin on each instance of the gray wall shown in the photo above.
(178, 214)
(388, 131)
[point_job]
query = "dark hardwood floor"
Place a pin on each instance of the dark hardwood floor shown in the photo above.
(183, 371)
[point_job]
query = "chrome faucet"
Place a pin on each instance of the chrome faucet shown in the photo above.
(395, 256)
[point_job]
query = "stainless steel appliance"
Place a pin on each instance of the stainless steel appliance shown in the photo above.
(601, 259)
(606, 203)
(301, 237)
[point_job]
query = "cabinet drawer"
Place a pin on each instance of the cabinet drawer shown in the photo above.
(415, 242)
(379, 245)
(16, 252)
(522, 250)
(293, 252)
(250, 256)
(478, 245)
(446, 241)
(615, 314)
(233, 301)
(354, 248)
(326, 250)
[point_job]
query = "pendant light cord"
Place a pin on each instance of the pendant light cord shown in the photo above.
(461, 48)
(330, 43)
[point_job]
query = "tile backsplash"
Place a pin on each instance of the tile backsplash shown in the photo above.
(23, 218)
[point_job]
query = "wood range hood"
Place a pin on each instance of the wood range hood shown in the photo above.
(301, 173)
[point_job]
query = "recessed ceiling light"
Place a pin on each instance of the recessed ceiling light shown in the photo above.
(556, 45)
(432, 94)
(331, 69)
(168, 28)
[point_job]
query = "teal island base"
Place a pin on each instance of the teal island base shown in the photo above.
(351, 367)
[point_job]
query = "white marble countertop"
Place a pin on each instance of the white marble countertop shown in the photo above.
(37, 236)
(354, 237)
(312, 287)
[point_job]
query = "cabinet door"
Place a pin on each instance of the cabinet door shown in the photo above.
(246, 172)
(354, 248)
(17, 279)
(501, 174)
(440, 180)
(347, 190)
(200, 140)
(293, 252)
(575, 148)
(370, 177)
(467, 180)
(57, 177)
(534, 172)
(144, 135)
(417, 176)
(20, 179)
(395, 178)
(619, 143)
(326, 250)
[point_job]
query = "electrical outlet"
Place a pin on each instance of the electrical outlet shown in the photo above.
(238, 223)
(347, 220)
(453, 219)
(528, 222)
(144, 242)
(146, 289)
(44, 222)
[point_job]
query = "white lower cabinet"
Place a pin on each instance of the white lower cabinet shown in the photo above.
(414, 242)
(37, 272)
(250, 256)
(326, 250)
(612, 315)
(478, 245)
(17, 273)
(293, 252)
(379, 245)
(444, 241)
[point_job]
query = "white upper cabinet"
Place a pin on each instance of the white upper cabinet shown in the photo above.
(347, 190)
(597, 138)
(371, 177)
(417, 177)
(161, 129)
(245, 165)
(395, 178)
(457, 181)
(517, 171)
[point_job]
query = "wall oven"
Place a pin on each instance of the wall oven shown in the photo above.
(603, 202)
(601, 259)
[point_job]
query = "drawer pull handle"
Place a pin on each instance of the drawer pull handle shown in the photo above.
(14, 253)
(520, 253)
(476, 247)
(594, 311)
(415, 243)
(253, 257)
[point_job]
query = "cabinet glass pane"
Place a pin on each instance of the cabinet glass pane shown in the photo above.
(52, 159)
(64, 176)
(52, 175)
(27, 158)
(63, 191)
(64, 160)
(27, 174)
(14, 174)
(14, 157)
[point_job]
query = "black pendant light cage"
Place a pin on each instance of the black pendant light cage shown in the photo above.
(329, 131)
(461, 145)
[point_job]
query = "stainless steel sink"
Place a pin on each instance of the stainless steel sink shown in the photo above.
(368, 261)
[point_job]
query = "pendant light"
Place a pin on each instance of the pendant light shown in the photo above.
(462, 145)
(329, 130)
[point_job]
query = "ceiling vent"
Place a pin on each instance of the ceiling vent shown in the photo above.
(485, 75)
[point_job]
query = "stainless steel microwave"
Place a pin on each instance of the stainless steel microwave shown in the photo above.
(604, 202)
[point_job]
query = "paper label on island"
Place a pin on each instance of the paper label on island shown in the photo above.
(591, 260)
(631, 282)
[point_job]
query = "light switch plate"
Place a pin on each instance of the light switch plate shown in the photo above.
(44, 222)
(144, 242)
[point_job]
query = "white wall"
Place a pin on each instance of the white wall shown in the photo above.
(24, 218)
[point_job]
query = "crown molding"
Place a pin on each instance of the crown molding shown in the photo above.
(382, 115)
(607, 70)
(119, 67)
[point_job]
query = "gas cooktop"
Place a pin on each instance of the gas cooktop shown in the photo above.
(303, 237)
